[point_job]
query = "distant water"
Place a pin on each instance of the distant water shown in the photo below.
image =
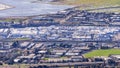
(27, 8)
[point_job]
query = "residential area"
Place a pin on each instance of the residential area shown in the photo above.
(62, 33)
(67, 17)
(69, 38)
(58, 54)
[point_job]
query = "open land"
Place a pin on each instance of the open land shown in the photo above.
(94, 4)
(102, 52)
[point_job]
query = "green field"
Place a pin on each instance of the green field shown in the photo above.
(94, 4)
(102, 53)
(15, 66)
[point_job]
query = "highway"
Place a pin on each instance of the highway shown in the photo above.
(68, 64)
(37, 40)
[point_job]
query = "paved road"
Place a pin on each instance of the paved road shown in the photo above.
(67, 64)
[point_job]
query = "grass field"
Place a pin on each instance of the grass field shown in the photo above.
(102, 53)
(93, 4)
(15, 66)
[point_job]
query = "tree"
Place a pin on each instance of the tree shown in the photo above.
(16, 44)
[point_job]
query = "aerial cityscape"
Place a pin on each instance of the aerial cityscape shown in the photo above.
(59, 34)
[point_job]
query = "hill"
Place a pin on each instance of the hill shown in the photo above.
(94, 4)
